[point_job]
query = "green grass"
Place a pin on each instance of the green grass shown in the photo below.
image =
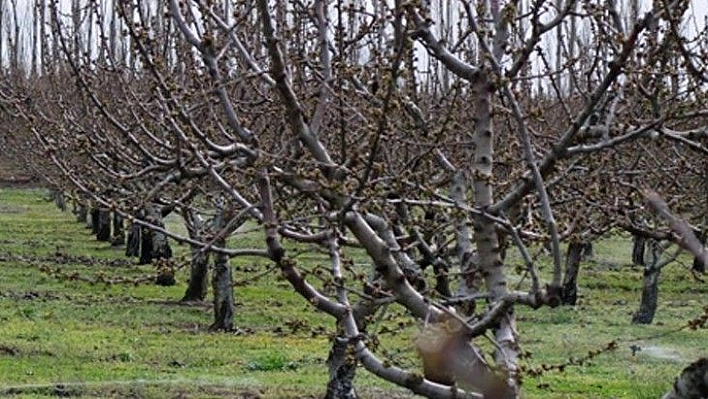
(609, 294)
(61, 336)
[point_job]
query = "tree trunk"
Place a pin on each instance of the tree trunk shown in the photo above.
(82, 214)
(342, 369)
(76, 19)
(34, 69)
(698, 266)
(16, 60)
(103, 232)
(222, 285)
(133, 246)
(198, 277)
(118, 233)
(43, 45)
(570, 279)
(471, 277)
(650, 297)
(650, 283)
(94, 220)
(160, 245)
(486, 238)
(2, 33)
(199, 267)
(153, 244)
(145, 246)
(638, 244)
(342, 364)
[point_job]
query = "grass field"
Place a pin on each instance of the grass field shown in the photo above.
(63, 336)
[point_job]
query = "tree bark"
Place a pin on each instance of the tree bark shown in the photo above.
(145, 246)
(342, 364)
(198, 277)
(199, 266)
(94, 220)
(76, 20)
(2, 32)
(153, 244)
(650, 297)
(82, 214)
(638, 244)
(650, 284)
(133, 246)
(16, 60)
(485, 234)
(471, 276)
(160, 245)
(222, 285)
(342, 369)
(103, 228)
(118, 232)
(570, 278)
(43, 45)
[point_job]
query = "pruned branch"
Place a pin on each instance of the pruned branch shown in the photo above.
(687, 239)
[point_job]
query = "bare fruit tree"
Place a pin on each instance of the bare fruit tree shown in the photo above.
(432, 140)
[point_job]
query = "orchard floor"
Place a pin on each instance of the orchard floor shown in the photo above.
(81, 320)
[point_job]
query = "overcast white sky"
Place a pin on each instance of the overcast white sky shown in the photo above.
(698, 11)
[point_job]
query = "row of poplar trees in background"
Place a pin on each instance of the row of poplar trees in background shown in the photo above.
(437, 136)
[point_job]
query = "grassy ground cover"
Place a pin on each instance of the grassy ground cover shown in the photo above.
(63, 336)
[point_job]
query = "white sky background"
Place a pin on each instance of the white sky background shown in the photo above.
(698, 12)
(695, 20)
